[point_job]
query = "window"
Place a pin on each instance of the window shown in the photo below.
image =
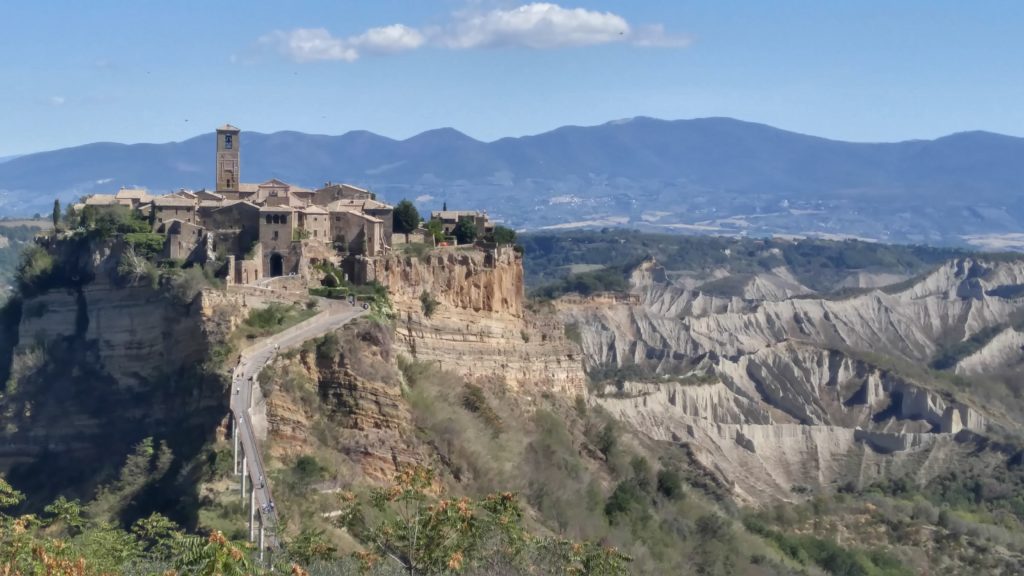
(228, 141)
(268, 218)
(337, 218)
(275, 234)
(315, 233)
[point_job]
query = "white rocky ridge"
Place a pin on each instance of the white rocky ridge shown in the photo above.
(804, 398)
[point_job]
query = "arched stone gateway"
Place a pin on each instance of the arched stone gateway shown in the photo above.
(276, 265)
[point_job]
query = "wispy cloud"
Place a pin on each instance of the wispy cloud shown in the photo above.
(56, 100)
(539, 26)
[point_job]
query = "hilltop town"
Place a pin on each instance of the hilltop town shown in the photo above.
(271, 229)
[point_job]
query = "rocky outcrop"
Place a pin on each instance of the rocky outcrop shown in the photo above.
(345, 395)
(485, 281)
(1005, 350)
(480, 327)
(137, 333)
(958, 299)
(802, 396)
(95, 369)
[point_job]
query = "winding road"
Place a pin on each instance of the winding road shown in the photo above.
(246, 373)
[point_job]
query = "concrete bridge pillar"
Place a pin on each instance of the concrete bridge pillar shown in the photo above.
(252, 516)
(234, 440)
(244, 474)
(262, 546)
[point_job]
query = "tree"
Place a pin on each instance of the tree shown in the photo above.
(56, 213)
(406, 217)
(213, 556)
(436, 229)
(310, 546)
(670, 484)
(465, 231)
(503, 235)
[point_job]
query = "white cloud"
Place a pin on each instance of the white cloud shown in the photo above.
(310, 44)
(389, 39)
(540, 25)
(57, 100)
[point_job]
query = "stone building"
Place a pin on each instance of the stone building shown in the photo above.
(170, 207)
(182, 239)
(450, 219)
(228, 159)
(273, 228)
(277, 231)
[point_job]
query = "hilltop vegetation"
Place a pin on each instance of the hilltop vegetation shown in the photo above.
(593, 261)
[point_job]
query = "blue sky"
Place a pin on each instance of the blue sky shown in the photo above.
(146, 71)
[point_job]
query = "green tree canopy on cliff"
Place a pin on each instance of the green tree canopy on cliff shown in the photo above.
(465, 231)
(503, 235)
(406, 217)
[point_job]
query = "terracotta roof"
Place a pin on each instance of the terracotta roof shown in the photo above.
(456, 214)
(341, 186)
(362, 215)
(238, 203)
(275, 182)
(313, 210)
(134, 193)
(228, 128)
(174, 225)
(248, 187)
(170, 200)
(101, 200)
(209, 195)
(350, 204)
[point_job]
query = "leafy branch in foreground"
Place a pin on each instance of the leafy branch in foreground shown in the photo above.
(424, 532)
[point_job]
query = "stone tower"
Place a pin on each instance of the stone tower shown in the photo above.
(228, 166)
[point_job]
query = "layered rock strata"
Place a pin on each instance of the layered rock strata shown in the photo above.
(479, 327)
(807, 394)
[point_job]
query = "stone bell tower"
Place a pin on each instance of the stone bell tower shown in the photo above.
(228, 166)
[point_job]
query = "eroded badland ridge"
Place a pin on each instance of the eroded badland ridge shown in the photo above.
(800, 392)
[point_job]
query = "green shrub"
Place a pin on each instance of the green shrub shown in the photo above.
(429, 303)
(474, 400)
(308, 468)
(269, 318)
(146, 244)
(35, 272)
(186, 284)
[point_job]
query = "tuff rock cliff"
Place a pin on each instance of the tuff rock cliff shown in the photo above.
(805, 390)
(95, 365)
(344, 394)
(480, 327)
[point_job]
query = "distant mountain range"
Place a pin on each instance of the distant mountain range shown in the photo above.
(713, 175)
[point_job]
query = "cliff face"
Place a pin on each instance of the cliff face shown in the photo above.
(135, 334)
(480, 327)
(806, 389)
(96, 368)
(344, 395)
